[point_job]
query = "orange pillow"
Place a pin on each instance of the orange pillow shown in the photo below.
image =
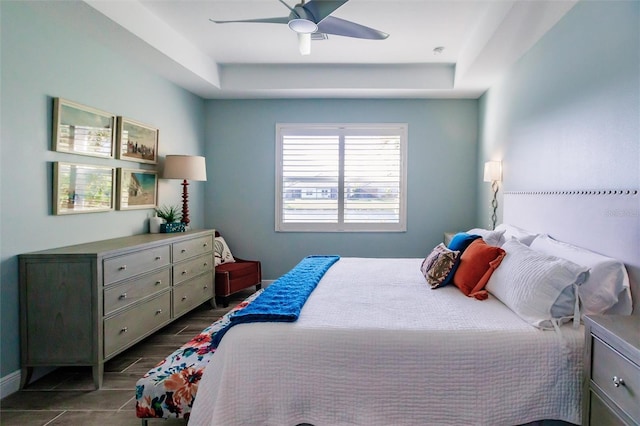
(477, 263)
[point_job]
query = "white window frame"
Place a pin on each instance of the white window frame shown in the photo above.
(341, 129)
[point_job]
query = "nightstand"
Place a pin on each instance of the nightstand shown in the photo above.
(611, 392)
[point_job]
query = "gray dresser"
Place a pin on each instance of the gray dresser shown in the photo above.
(612, 371)
(84, 304)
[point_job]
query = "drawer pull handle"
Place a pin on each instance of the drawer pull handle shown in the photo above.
(184, 297)
(185, 272)
(159, 311)
(205, 287)
(205, 245)
(158, 282)
(183, 251)
(122, 268)
(123, 296)
(158, 257)
(617, 381)
(124, 329)
(206, 264)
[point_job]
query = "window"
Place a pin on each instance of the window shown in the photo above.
(341, 177)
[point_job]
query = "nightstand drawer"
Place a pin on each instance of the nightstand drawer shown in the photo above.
(118, 296)
(617, 377)
(601, 414)
(127, 266)
(194, 247)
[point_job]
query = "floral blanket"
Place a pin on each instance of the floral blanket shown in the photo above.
(169, 389)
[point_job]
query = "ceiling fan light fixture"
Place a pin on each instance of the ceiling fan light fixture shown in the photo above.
(303, 26)
(304, 43)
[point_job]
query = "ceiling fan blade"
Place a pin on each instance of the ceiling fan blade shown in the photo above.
(304, 43)
(320, 9)
(287, 6)
(342, 27)
(280, 20)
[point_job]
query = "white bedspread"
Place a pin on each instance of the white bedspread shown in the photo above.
(374, 345)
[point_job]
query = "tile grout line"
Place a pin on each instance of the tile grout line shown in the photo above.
(56, 417)
(183, 329)
(131, 365)
(123, 405)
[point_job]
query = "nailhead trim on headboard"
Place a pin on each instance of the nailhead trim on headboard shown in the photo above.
(601, 220)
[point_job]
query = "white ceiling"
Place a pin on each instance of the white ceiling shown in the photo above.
(481, 38)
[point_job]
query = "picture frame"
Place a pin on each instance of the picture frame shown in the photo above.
(137, 141)
(82, 188)
(137, 189)
(81, 129)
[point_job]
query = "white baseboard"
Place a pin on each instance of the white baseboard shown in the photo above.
(267, 283)
(10, 384)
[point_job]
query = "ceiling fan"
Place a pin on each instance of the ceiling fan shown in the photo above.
(314, 17)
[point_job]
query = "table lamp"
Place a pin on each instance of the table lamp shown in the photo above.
(185, 167)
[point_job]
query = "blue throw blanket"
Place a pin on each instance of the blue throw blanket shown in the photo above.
(285, 297)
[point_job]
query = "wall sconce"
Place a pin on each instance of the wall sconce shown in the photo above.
(493, 174)
(185, 167)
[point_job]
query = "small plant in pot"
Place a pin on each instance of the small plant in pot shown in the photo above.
(172, 215)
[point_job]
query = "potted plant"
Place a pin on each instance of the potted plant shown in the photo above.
(171, 215)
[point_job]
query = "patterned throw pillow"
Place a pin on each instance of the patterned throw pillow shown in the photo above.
(437, 266)
(221, 252)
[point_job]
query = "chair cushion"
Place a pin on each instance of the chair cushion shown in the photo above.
(238, 269)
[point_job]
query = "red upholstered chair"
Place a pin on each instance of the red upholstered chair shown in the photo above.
(234, 277)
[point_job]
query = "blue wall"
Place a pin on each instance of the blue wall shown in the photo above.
(442, 153)
(43, 56)
(567, 115)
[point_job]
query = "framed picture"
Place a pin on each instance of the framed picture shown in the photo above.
(137, 141)
(80, 129)
(82, 188)
(137, 189)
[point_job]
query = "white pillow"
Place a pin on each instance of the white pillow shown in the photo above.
(221, 252)
(539, 288)
(492, 238)
(606, 289)
(510, 231)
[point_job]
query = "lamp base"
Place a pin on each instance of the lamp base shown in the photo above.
(494, 203)
(185, 203)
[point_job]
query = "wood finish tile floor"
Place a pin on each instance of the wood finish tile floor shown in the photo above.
(66, 395)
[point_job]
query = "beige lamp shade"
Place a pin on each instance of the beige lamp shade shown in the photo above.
(493, 171)
(187, 167)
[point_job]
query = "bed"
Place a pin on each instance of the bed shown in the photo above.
(374, 345)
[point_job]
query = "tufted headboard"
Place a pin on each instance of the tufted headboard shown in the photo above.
(607, 222)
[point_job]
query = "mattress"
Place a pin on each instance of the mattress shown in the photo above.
(375, 345)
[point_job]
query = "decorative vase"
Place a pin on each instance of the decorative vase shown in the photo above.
(154, 224)
(172, 227)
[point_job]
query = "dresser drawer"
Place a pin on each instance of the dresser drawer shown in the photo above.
(192, 293)
(190, 268)
(121, 295)
(194, 247)
(608, 366)
(127, 327)
(127, 266)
